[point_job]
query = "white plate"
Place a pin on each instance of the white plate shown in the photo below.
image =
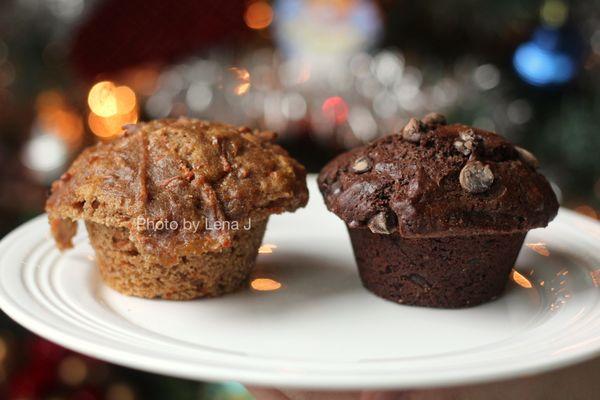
(321, 329)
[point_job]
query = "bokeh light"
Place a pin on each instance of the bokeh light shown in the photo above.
(110, 126)
(106, 100)
(111, 107)
(486, 76)
(242, 78)
(102, 100)
(540, 248)
(120, 391)
(44, 153)
(199, 96)
(258, 15)
(72, 370)
(520, 279)
(554, 13)
(55, 116)
(335, 109)
(266, 248)
(265, 284)
(541, 61)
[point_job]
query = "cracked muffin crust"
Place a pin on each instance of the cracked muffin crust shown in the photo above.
(430, 186)
(419, 184)
(214, 176)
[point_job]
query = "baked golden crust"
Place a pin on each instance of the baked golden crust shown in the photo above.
(177, 170)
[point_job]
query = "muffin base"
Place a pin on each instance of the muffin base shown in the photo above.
(443, 272)
(207, 275)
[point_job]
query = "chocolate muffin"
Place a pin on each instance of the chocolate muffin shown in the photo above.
(437, 213)
(176, 209)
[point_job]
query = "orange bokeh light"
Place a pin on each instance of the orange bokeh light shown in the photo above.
(521, 280)
(55, 115)
(336, 109)
(102, 100)
(243, 76)
(539, 248)
(125, 99)
(258, 15)
(111, 107)
(106, 127)
(242, 89)
(266, 248)
(106, 99)
(241, 73)
(265, 284)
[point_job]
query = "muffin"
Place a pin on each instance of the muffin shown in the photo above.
(437, 213)
(176, 209)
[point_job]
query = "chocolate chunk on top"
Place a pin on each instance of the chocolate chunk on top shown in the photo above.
(476, 177)
(360, 165)
(382, 222)
(434, 119)
(419, 182)
(412, 130)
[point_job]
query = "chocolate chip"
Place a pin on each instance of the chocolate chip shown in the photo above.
(434, 119)
(459, 145)
(361, 164)
(335, 187)
(476, 177)
(419, 281)
(467, 135)
(353, 224)
(466, 143)
(527, 157)
(413, 130)
(382, 223)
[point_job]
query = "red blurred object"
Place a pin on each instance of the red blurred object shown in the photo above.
(38, 377)
(336, 109)
(39, 374)
(119, 34)
(42, 351)
(85, 394)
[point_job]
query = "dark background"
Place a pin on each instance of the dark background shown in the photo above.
(327, 75)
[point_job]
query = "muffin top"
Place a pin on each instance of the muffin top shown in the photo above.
(197, 173)
(433, 179)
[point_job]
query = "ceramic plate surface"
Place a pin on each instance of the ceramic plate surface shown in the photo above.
(320, 328)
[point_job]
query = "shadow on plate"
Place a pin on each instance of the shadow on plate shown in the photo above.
(306, 281)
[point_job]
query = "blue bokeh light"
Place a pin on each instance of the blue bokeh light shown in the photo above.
(547, 59)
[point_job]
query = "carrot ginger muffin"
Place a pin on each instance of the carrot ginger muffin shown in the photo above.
(437, 213)
(176, 209)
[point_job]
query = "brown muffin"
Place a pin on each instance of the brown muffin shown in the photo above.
(176, 209)
(437, 213)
